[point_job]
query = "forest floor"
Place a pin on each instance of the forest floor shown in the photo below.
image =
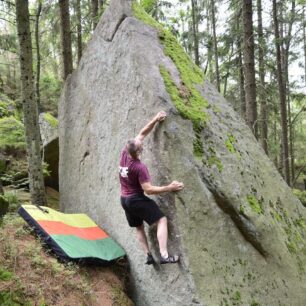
(30, 275)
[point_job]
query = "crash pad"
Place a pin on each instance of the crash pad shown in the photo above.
(74, 237)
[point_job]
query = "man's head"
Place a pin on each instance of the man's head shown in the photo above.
(134, 148)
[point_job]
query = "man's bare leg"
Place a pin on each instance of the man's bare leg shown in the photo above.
(162, 236)
(142, 238)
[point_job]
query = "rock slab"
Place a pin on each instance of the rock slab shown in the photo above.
(238, 227)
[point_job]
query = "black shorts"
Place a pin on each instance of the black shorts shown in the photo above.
(139, 208)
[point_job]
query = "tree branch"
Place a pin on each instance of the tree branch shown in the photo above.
(297, 176)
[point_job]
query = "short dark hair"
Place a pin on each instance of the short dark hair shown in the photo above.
(132, 148)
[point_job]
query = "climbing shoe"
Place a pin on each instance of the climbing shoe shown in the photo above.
(169, 259)
(150, 259)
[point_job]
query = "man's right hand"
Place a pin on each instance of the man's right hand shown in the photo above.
(176, 186)
(161, 116)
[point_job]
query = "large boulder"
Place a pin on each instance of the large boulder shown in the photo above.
(49, 137)
(237, 225)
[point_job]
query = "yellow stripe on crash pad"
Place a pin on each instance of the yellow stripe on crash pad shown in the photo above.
(78, 220)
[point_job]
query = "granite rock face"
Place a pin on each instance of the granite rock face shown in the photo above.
(49, 136)
(238, 228)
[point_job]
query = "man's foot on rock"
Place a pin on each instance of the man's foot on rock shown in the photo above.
(169, 259)
(150, 259)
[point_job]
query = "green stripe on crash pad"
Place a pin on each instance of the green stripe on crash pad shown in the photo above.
(75, 247)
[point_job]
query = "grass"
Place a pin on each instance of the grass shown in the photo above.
(30, 275)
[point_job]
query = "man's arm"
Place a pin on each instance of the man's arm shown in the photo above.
(149, 126)
(150, 189)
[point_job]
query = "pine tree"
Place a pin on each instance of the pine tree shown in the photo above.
(30, 110)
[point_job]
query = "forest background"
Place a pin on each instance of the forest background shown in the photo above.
(254, 52)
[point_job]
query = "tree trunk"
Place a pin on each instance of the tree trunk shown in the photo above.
(94, 13)
(101, 4)
(65, 37)
(240, 70)
(286, 68)
(249, 66)
(79, 28)
(213, 17)
(228, 69)
(304, 41)
(262, 89)
(1, 189)
(194, 12)
(37, 55)
(282, 98)
(29, 104)
(241, 82)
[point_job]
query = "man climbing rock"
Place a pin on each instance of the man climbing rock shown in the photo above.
(135, 181)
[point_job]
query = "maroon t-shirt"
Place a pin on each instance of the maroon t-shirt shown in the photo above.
(132, 173)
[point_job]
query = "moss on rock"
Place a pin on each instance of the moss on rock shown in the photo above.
(255, 204)
(51, 120)
(187, 99)
(230, 143)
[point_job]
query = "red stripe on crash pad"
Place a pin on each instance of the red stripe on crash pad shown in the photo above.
(60, 228)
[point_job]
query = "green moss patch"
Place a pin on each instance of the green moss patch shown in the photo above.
(198, 146)
(51, 120)
(230, 143)
(11, 133)
(213, 160)
(294, 230)
(187, 99)
(141, 14)
(5, 275)
(255, 204)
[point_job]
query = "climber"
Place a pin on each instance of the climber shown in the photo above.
(135, 181)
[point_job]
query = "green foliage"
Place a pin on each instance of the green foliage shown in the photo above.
(11, 134)
(9, 298)
(50, 89)
(51, 120)
(301, 195)
(46, 171)
(255, 204)
(6, 109)
(11, 198)
(8, 42)
(5, 275)
(148, 5)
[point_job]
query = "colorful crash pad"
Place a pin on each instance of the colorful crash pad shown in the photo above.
(72, 237)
